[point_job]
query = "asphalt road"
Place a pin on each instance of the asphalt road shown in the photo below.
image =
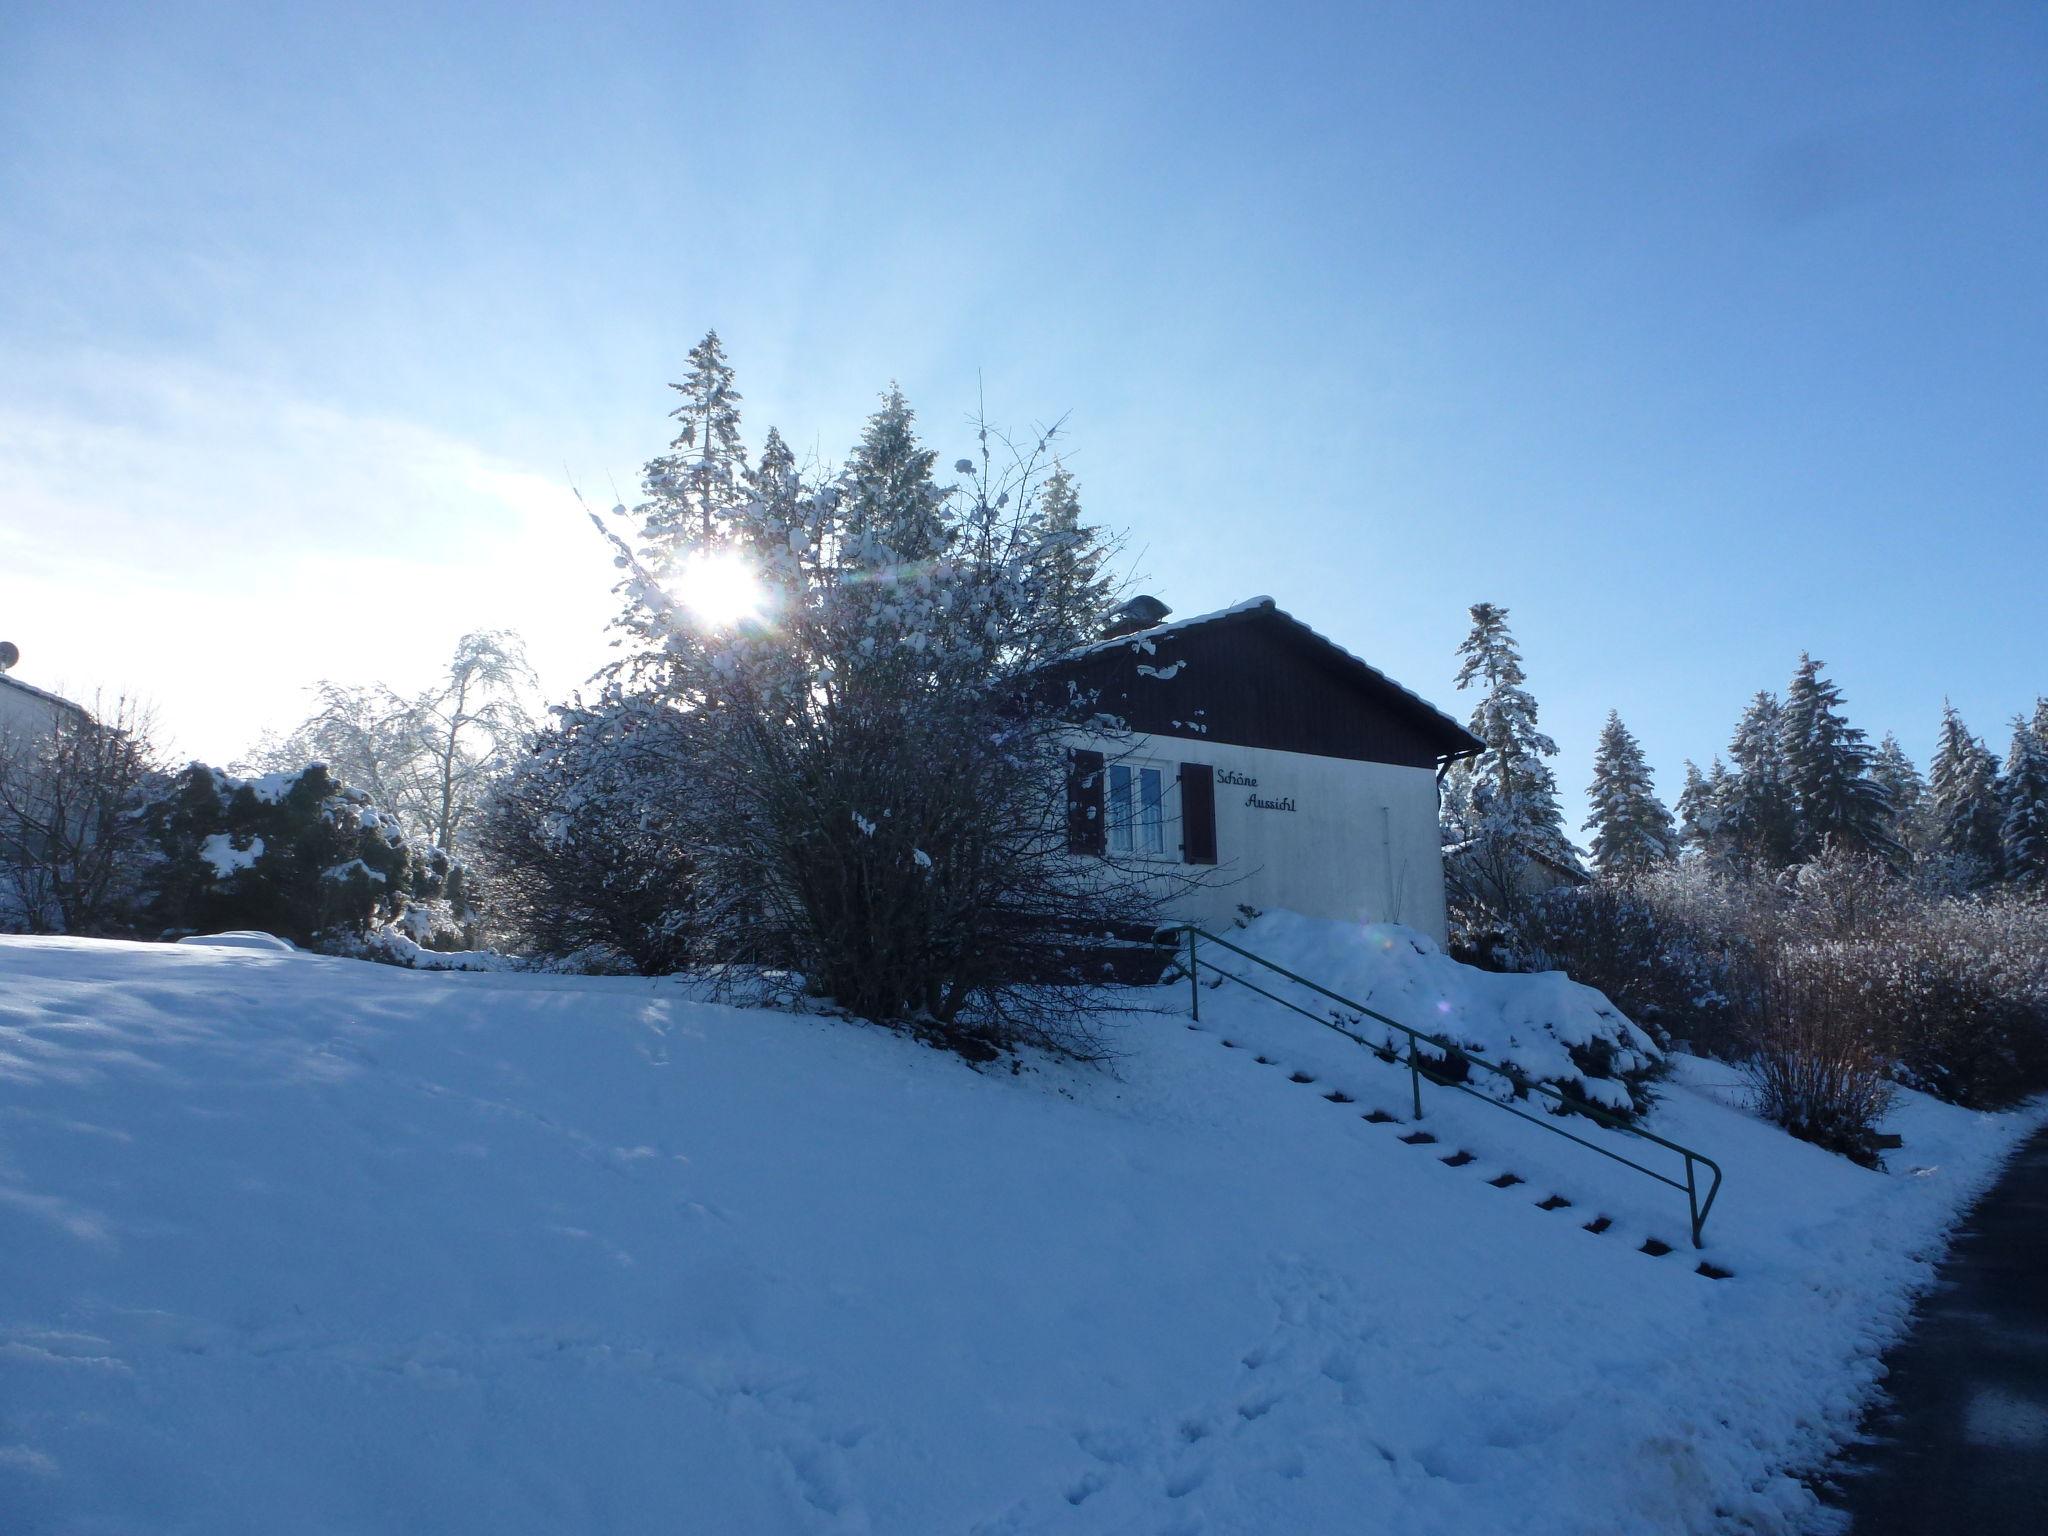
(1961, 1448)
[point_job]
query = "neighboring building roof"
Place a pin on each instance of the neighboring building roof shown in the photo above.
(1445, 737)
(48, 698)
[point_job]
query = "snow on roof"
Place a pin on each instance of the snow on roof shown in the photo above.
(1144, 640)
(30, 688)
(1140, 638)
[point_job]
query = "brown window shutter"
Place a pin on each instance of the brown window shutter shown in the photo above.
(1087, 827)
(1197, 813)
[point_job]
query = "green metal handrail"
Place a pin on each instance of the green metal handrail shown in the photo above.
(1522, 1083)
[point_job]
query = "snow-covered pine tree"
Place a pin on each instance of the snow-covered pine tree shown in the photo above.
(774, 479)
(1698, 817)
(891, 509)
(1760, 817)
(1905, 793)
(1963, 804)
(1827, 769)
(693, 489)
(2023, 832)
(1501, 812)
(1077, 583)
(1632, 831)
(1513, 785)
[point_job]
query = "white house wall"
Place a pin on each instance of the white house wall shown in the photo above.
(1322, 836)
(28, 712)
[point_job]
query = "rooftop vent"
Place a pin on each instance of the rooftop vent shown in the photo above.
(10, 653)
(1139, 613)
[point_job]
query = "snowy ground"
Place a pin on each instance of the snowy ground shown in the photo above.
(291, 1244)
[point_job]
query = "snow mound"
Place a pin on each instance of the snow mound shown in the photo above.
(241, 938)
(1548, 1026)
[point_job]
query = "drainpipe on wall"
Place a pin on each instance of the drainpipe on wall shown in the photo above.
(1387, 862)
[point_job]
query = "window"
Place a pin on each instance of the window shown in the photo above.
(1137, 809)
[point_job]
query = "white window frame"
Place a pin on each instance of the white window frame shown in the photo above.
(1130, 833)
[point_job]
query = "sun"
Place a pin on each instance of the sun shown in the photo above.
(720, 588)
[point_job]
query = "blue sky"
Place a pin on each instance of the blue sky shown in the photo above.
(1694, 336)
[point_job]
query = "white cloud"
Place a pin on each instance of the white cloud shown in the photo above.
(214, 547)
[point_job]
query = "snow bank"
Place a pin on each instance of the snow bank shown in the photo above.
(394, 944)
(1547, 1025)
(328, 1246)
(241, 938)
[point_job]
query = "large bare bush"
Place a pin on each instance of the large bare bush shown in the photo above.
(1819, 1057)
(71, 846)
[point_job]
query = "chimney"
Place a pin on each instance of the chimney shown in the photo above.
(1140, 612)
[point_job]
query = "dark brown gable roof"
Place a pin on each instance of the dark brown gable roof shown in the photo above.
(1256, 676)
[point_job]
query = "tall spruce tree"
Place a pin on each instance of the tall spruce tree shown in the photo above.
(1963, 804)
(1508, 791)
(1699, 809)
(892, 510)
(1905, 795)
(2023, 831)
(1632, 831)
(1077, 558)
(1827, 769)
(695, 488)
(1760, 816)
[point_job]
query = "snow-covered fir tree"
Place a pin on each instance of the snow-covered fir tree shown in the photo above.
(1759, 815)
(1699, 807)
(1905, 794)
(891, 509)
(1835, 799)
(1077, 583)
(1964, 810)
(1500, 808)
(2023, 830)
(698, 484)
(1632, 831)
(1513, 790)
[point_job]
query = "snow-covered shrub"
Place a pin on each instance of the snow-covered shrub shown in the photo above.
(586, 866)
(294, 854)
(393, 944)
(1646, 954)
(1543, 1025)
(1951, 990)
(1961, 987)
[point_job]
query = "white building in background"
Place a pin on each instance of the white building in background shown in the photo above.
(1299, 776)
(26, 710)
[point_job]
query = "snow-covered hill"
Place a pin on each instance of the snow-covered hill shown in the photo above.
(291, 1244)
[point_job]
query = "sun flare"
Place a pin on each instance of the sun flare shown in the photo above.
(720, 588)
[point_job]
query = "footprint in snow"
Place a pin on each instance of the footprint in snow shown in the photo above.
(1185, 1482)
(1086, 1488)
(1257, 1406)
